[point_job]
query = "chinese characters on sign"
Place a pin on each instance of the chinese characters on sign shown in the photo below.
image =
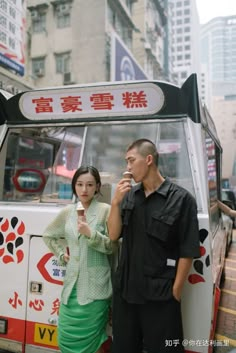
(15, 301)
(130, 99)
(102, 101)
(50, 269)
(36, 304)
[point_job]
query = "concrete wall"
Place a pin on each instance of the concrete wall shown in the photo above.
(85, 39)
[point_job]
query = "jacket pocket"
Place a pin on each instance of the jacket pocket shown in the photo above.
(161, 226)
(99, 283)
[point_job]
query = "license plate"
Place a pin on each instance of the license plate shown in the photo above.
(45, 334)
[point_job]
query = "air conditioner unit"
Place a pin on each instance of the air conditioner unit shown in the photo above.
(67, 78)
(63, 9)
(39, 72)
(147, 46)
(34, 14)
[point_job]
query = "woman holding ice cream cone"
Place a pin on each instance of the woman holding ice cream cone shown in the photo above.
(87, 289)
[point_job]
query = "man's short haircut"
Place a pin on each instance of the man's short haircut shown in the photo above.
(144, 148)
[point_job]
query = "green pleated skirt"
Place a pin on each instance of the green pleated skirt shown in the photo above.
(82, 328)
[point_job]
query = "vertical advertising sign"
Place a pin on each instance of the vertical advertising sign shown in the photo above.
(124, 67)
(12, 34)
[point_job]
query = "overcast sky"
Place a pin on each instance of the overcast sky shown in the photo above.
(209, 9)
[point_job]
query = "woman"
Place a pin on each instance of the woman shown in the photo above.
(87, 289)
(226, 209)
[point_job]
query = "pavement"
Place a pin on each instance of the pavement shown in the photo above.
(225, 336)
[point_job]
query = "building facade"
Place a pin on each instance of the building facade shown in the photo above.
(149, 41)
(70, 41)
(218, 55)
(218, 49)
(186, 39)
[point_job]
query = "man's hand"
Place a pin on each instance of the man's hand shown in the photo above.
(122, 188)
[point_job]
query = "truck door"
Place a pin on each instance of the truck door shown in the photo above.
(44, 289)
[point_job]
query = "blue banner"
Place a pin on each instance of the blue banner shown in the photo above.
(11, 64)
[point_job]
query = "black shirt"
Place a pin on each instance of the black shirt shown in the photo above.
(157, 230)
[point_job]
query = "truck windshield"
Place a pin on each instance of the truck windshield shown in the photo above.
(41, 161)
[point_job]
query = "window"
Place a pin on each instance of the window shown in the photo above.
(63, 21)
(40, 160)
(120, 26)
(63, 63)
(173, 157)
(3, 5)
(40, 163)
(3, 22)
(38, 67)
(38, 21)
(3, 37)
(63, 15)
(213, 180)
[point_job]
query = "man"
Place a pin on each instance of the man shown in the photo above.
(157, 221)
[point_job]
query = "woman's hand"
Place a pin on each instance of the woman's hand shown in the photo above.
(83, 227)
(66, 257)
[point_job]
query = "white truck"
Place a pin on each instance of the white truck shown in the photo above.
(45, 135)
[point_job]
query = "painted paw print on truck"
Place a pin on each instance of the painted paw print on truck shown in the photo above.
(198, 264)
(11, 232)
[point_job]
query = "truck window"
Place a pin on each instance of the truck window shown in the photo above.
(174, 157)
(213, 182)
(105, 148)
(67, 160)
(40, 162)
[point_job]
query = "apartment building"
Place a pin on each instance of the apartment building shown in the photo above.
(70, 41)
(218, 54)
(186, 39)
(149, 42)
(218, 50)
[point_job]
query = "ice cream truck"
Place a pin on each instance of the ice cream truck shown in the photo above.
(45, 135)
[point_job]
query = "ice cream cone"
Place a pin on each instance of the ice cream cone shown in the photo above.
(128, 175)
(80, 209)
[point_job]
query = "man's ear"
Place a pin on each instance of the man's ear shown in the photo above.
(149, 159)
